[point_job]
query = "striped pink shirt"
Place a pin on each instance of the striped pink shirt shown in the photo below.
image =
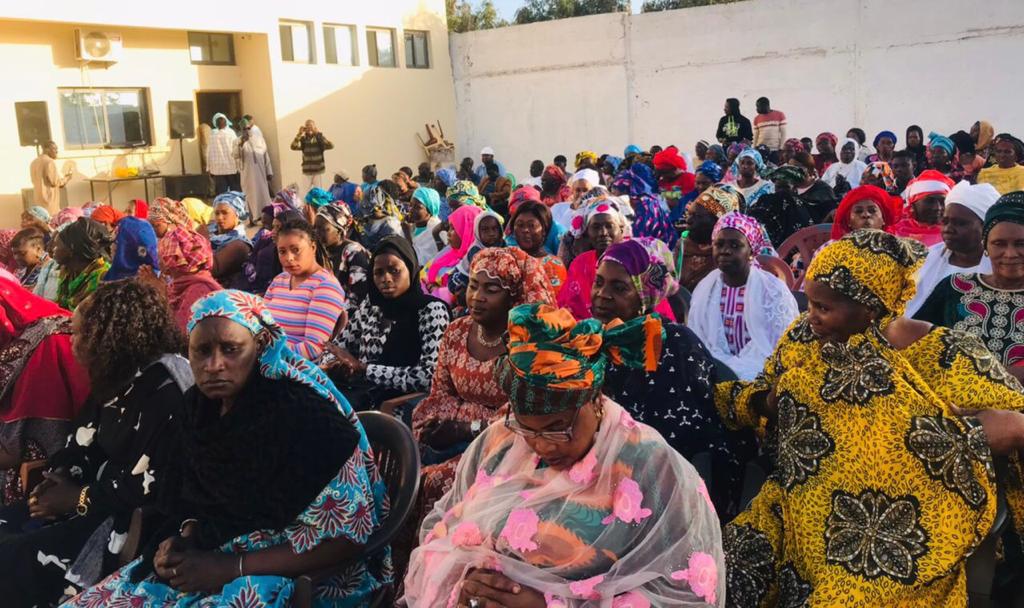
(308, 313)
(732, 317)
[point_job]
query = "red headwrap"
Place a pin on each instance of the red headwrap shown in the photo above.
(141, 209)
(105, 214)
(829, 136)
(890, 206)
(669, 157)
(519, 196)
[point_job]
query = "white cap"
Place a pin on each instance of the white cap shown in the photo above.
(488, 151)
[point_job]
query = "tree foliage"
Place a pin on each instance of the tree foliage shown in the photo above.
(548, 10)
(462, 17)
(651, 6)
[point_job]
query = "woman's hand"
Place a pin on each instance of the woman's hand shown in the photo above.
(56, 496)
(1004, 429)
(495, 590)
(204, 571)
(442, 434)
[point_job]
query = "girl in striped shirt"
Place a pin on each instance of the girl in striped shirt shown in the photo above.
(306, 299)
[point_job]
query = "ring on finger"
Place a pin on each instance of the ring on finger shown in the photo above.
(474, 602)
(174, 571)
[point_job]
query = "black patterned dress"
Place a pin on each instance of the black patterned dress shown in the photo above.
(120, 448)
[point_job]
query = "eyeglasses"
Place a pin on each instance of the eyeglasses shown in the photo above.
(563, 436)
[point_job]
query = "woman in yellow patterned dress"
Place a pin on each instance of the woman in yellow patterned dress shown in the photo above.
(880, 491)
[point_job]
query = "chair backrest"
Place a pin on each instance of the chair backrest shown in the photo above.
(398, 462)
(806, 242)
(777, 267)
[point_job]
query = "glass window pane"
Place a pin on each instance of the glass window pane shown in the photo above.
(220, 48)
(344, 44)
(197, 47)
(385, 48)
(124, 117)
(419, 42)
(82, 115)
(300, 43)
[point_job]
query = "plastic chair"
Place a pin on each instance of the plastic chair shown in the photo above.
(806, 242)
(398, 461)
(777, 267)
(981, 565)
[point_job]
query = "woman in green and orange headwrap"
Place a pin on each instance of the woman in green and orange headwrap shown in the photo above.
(880, 491)
(569, 500)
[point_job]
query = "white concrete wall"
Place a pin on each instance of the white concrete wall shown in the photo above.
(606, 81)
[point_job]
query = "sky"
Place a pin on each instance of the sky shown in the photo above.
(507, 8)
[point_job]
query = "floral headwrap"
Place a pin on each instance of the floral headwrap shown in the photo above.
(277, 361)
(65, 217)
(718, 201)
(554, 172)
(337, 215)
(871, 267)
(171, 211)
(234, 200)
(632, 183)
(519, 273)
(465, 193)
(753, 155)
(555, 363)
(881, 170)
(711, 169)
(649, 264)
(795, 144)
(597, 202)
(755, 233)
(584, 156)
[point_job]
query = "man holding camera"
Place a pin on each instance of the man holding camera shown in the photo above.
(312, 143)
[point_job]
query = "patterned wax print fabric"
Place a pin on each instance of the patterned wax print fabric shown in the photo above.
(649, 264)
(892, 529)
(964, 301)
(351, 506)
(630, 524)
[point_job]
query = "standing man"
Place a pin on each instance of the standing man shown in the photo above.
(222, 156)
(769, 127)
(536, 170)
(486, 158)
(733, 127)
(46, 184)
(254, 164)
(312, 143)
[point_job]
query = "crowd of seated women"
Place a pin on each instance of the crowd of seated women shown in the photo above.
(587, 367)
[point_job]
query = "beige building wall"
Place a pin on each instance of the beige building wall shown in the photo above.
(371, 114)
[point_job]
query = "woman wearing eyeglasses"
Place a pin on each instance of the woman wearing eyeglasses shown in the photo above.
(569, 499)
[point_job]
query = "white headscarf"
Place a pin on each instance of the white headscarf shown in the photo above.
(852, 170)
(976, 198)
(588, 175)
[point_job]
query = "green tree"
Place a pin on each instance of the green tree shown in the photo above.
(547, 10)
(462, 17)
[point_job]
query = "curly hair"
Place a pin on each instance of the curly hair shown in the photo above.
(124, 326)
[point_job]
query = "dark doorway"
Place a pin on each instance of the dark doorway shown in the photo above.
(209, 103)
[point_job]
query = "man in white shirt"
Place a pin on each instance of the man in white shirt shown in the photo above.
(222, 157)
(536, 170)
(46, 184)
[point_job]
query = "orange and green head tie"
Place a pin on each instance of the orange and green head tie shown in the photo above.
(556, 363)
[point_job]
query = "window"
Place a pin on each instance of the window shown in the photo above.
(105, 118)
(340, 44)
(381, 46)
(211, 49)
(416, 53)
(297, 42)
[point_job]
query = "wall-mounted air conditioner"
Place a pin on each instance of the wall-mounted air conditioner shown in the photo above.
(98, 46)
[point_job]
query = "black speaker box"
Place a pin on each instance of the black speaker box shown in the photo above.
(180, 118)
(182, 186)
(33, 122)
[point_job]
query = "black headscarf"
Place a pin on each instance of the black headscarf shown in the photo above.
(409, 303)
(87, 239)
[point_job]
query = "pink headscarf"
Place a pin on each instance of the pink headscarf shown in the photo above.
(462, 220)
(750, 228)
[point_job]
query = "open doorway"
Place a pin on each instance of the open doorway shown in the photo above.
(209, 103)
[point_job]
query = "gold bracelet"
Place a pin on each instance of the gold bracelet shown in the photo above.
(83, 501)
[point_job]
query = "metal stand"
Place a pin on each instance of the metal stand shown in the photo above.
(181, 149)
